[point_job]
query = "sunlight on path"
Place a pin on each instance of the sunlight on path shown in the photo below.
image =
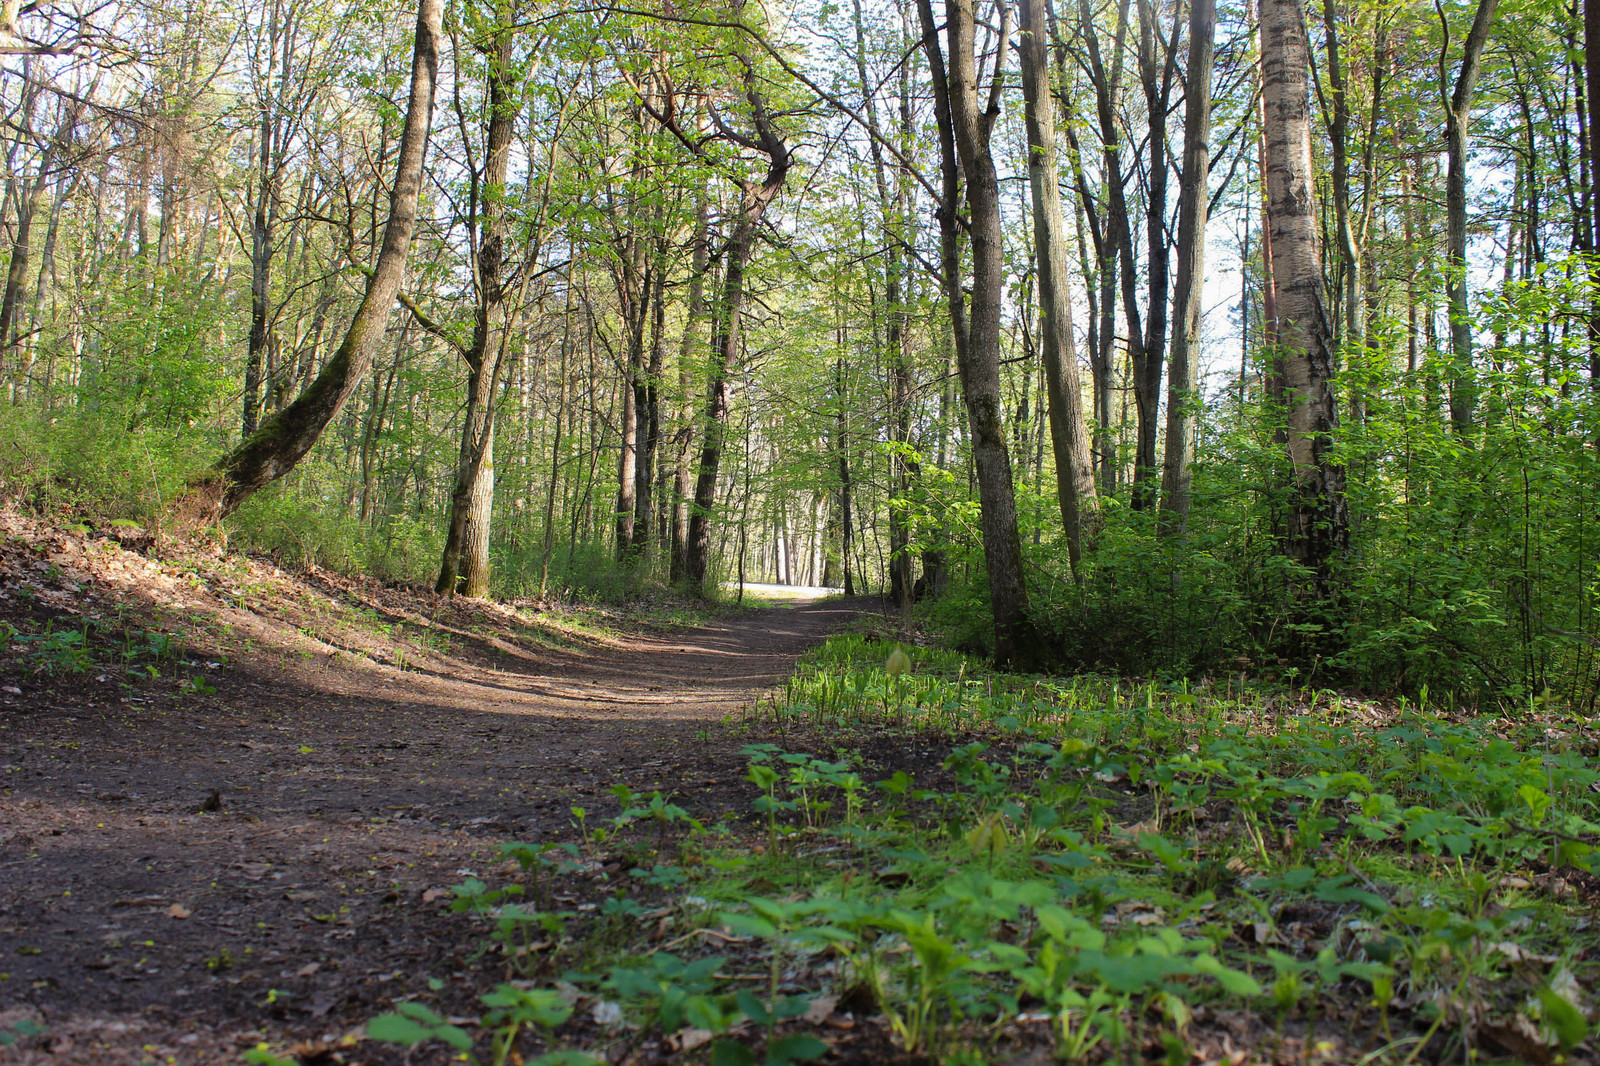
(782, 593)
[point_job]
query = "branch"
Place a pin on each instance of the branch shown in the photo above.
(430, 325)
(789, 68)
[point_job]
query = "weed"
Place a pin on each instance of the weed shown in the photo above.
(1110, 858)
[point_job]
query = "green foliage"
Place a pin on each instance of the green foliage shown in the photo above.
(1090, 858)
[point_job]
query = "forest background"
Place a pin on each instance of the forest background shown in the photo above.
(1145, 337)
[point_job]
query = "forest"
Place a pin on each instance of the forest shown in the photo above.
(1135, 337)
(1197, 407)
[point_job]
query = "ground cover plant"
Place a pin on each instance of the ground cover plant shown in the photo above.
(1078, 868)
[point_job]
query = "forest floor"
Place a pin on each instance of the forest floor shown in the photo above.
(299, 818)
(233, 799)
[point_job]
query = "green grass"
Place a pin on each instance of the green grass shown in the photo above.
(1103, 868)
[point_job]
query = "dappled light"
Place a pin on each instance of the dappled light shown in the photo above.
(727, 533)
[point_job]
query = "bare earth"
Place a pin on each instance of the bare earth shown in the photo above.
(184, 874)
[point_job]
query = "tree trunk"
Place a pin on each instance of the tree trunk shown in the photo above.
(628, 453)
(1156, 75)
(1463, 386)
(846, 489)
(1591, 237)
(465, 566)
(1318, 518)
(900, 559)
(647, 408)
(754, 199)
(1069, 435)
(1183, 373)
(1016, 642)
(274, 449)
(678, 566)
(17, 273)
(1339, 140)
(1112, 237)
(262, 223)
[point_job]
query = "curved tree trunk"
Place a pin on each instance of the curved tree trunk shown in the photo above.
(279, 444)
(754, 199)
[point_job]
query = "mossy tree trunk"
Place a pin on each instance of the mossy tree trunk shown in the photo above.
(279, 444)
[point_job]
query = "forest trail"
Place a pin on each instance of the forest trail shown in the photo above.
(357, 758)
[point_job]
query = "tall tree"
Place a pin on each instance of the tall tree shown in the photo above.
(727, 320)
(971, 120)
(1318, 514)
(1157, 70)
(1193, 205)
(464, 567)
(1458, 108)
(1069, 434)
(890, 218)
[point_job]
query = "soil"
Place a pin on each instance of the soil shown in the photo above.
(248, 835)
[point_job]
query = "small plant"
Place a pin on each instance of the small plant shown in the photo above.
(56, 652)
(24, 1029)
(197, 686)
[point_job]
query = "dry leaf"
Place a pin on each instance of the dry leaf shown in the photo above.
(821, 1009)
(178, 910)
(688, 1039)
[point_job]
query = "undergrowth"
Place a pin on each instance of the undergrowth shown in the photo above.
(1104, 870)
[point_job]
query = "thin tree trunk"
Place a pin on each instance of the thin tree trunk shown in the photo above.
(1156, 75)
(1183, 396)
(1463, 386)
(900, 558)
(754, 199)
(1591, 68)
(846, 490)
(1069, 435)
(647, 407)
(17, 273)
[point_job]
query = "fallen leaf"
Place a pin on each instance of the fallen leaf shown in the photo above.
(1517, 953)
(433, 895)
(821, 1009)
(308, 969)
(688, 1039)
(178, 910)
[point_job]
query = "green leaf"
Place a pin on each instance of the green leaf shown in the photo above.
(749, 925)
(1538, 802)
(796, 1048)
(753, 1008)
(731, 1053)
(1232, 981)
(1565, 1020)
(393, 1029)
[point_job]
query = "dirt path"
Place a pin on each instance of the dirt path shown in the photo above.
(345, 795)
